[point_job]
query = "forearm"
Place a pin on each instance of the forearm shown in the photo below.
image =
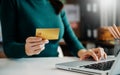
(14, 50)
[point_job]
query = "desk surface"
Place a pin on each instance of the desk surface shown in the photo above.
(34, 66)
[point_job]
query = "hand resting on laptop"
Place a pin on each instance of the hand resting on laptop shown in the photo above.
(95, 53)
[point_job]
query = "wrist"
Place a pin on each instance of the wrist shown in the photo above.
(81, 52)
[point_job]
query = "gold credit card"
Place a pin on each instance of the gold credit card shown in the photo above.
(48, 33)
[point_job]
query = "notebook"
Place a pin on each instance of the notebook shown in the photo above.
(110, 66)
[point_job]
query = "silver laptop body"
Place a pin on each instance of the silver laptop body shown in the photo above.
(84, 66)
(110, 66)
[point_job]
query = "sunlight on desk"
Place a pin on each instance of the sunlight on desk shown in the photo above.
(34, 66)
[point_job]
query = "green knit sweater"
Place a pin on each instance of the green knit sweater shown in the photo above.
(20, 18)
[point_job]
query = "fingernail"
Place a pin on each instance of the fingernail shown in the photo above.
(96, 59)
(46, 41)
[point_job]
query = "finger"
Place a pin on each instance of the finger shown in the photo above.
(38, 43)
(102, 53)
(84, 57)
(99, 52)
(105, 55)
(29, 52)
(41, 46)
(36, 52)
(38, 47)
(88, 54)
(44, 42)
(92, 53)
(33, 39)
(34, 44)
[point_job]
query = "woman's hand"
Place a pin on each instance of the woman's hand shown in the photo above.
(34, 45)
(95, 53)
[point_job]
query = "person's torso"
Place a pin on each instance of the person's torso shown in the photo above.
(32, 14)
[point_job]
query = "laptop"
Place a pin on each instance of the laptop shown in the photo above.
(109, 66)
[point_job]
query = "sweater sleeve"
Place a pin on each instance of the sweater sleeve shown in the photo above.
(12, 48)
(70, 38)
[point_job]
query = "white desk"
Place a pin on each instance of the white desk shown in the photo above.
(34, 66)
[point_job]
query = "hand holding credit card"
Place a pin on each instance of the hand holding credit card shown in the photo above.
(48, 33)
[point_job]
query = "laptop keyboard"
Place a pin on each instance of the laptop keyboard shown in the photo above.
(101, 66)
